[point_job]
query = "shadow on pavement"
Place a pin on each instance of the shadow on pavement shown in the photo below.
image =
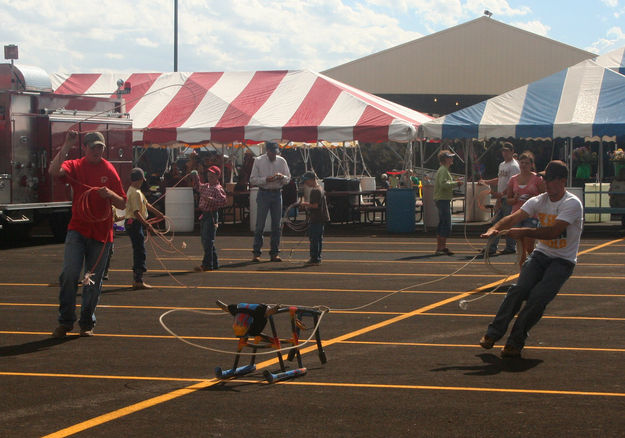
(420, 257)
(33, 347)
(494, 365)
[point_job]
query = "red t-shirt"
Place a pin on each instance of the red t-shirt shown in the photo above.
(102, 174)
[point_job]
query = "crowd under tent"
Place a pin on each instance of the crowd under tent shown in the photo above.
(585, 100)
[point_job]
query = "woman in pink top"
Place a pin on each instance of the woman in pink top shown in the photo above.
(521, 187)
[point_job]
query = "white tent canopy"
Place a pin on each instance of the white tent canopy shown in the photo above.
(224, 107)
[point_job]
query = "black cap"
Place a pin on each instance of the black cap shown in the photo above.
(307, 176)
(555, 169)
(270, 146)
(137, 174)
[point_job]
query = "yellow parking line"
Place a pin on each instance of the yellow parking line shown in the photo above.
(457, 388)
(95, 376)
(295, 289)
(370, 261)
(88, 424)
(338, 274)
(424, 344)
(394, 343)
(190, 389)
(202, 382)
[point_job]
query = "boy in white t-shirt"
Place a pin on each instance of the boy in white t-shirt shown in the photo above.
(560, 214)
(507, 169)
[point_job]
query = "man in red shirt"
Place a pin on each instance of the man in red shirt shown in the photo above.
(96, 185)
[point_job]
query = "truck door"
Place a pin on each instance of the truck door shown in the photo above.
(119, 150)
(60, 190)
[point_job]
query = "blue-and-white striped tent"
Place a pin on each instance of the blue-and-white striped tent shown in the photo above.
(584, 100)
(614, 60)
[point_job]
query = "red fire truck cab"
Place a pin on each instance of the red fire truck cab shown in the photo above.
(33, 125)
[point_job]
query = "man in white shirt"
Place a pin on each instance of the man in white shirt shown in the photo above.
(270, 173)
(507, 169)
(548, 267)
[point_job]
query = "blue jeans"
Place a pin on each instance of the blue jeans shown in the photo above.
(539, 282)
(501, 213)
(268, 202)
(81, 251)
(137, 238)
(315, 235)
(208, 232)
(444, 217)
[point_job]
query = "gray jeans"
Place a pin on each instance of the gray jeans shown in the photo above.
(539, 282)
(501, 213)
(81, 252)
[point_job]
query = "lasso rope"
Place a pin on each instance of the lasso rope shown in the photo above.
(84, 205)
(323, 311)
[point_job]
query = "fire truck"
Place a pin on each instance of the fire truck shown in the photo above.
(33, 125)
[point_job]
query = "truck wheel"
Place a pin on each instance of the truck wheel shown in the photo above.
(58, 225)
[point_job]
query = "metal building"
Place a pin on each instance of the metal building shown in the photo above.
(459, 66)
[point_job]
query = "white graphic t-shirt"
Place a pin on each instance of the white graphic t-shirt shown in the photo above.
(568, 209)
(506, 171)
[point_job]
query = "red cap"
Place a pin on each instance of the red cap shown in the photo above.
(216, 170)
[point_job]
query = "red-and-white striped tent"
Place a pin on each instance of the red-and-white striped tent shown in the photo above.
(224, 107)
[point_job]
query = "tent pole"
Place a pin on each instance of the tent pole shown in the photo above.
(421, 158)
(223, 164)
(468, 143)
(362, 160)
(569, 160)
(600, 161)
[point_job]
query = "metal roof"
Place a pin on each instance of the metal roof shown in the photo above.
(481, 57)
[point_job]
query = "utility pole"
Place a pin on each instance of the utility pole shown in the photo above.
(175, 35)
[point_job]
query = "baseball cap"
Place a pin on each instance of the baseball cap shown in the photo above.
(308, 175)
(137, 174)
(216, 170)
(507, 146)
(555, 169)
(94, 138)
(445, 153)
(270, 146)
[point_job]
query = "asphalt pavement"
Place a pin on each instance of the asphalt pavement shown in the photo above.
(407, 365)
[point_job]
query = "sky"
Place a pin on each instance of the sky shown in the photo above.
(84, 36)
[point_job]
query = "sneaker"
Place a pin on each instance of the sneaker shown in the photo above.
(60, 332)
(256, 259)
(276, 258)
(490, 252)
(140, 285)
(202, 268)
(508, 251)
(510, 352)
(312, 262)
(105, 276)
(487, 342)
(447, 251)
(86, 333)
